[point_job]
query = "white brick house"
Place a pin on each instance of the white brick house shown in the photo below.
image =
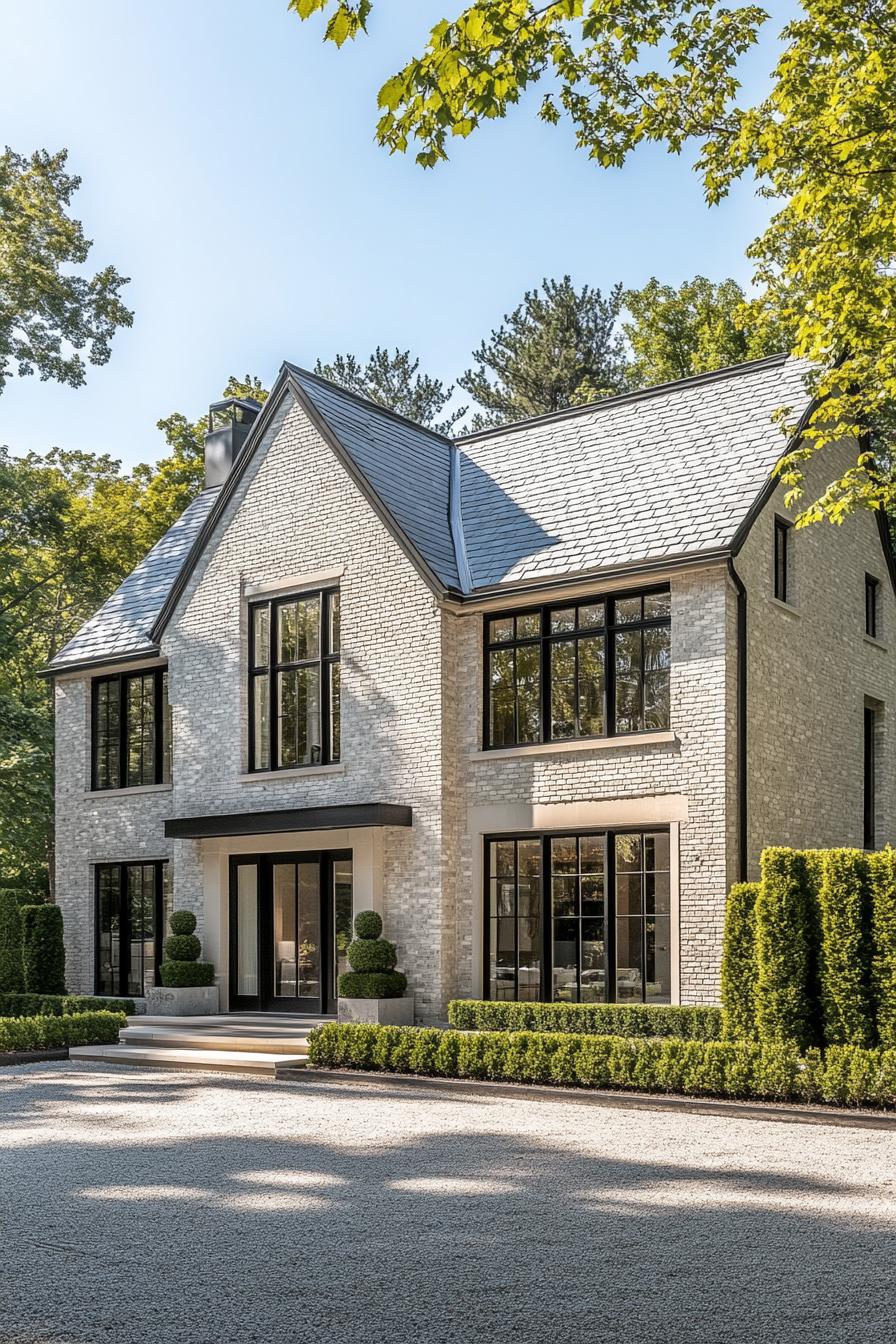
(539, 696)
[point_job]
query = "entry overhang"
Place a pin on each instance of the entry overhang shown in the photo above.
(340, 817)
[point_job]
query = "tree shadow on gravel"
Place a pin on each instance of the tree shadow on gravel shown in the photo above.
(376, 1216)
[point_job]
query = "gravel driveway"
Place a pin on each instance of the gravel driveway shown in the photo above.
(140, 1206)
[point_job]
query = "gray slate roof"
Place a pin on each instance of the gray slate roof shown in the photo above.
(408, 467)
(671, 472)
(121, 627)
(631, 479)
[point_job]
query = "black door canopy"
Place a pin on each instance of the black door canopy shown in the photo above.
(336, 818)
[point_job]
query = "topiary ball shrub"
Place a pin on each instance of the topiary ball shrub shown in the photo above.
(43, 949)
(372, 959)
(182, 922)
(368, 924)
(182, 968)
(182, 947)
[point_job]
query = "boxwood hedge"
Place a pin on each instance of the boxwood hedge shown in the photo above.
(60, 1005)
(53, 1033)
(745, 1069)
(699, 1023)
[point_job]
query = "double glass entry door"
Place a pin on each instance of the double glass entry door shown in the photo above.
(290, 924)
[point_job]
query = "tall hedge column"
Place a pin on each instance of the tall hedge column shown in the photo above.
(12, 978)
(44, 949)
(883, 940)
(784, 949)
(845, 954)
(739, 963)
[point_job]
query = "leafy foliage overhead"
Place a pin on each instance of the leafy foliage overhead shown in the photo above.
(48, 315)
(821, 146)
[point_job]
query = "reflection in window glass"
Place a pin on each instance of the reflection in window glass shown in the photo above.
(643, 932)
(296, 702)
(133, 902)
(515, 930)
(579, 972)
(342, 915)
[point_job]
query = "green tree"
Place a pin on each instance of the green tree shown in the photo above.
(698, 327)
(558, 348)
(392, 379)
(821, 145)
(71, 529)
(47, 315)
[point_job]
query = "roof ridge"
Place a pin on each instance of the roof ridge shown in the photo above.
(368, 401)
(624, 398)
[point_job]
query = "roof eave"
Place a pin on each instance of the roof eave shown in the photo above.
(95, 664)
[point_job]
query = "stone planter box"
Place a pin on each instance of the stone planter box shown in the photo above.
(385, 1012)
(189, 1001)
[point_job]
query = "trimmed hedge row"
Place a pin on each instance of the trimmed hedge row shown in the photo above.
(810, 951)
(60, 1005)
(703, 1023)
(53, 1033)
(12, 975)
(845, 1074)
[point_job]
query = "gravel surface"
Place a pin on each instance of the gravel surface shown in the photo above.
(139, 1206)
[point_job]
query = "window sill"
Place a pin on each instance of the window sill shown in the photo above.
(299, 772)
(129, 792)
(785, 606)
(667, 738)
(875, 643)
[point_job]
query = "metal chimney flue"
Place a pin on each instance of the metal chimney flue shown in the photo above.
(229, 423)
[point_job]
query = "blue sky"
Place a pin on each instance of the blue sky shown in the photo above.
(229, 169)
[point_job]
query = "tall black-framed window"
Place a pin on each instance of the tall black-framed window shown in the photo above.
(869, 798)
(130, 730)
(294, 681)
(782, 559)
(872, 603)
(579, 918)
(589, 668)
(133, 902)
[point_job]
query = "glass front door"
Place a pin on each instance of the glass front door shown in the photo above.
(290, 923)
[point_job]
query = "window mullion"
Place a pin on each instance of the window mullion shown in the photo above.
(610, 913)
(547, 922)
(545, 667)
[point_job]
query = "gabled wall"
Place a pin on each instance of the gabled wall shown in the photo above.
(811, 670)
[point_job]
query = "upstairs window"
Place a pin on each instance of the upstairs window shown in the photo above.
(294, 690)
(782, 559)
(872, 595)
(131, 730)
(583, 669)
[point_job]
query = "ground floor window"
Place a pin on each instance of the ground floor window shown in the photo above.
(582, 918)
(133, 902)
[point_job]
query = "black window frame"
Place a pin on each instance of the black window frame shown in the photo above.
(161, 728)
(869, 776)
(872, 605)
(783, 528)
(609, 835)
(271, 669)
(160, 867)
(546, 639)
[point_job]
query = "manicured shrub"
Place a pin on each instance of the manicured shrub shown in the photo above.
(883, 944)
(182, 922)
(776, 1071)
(60, 1005)
(372, 959)
(182, 947)
(54, 1033)
(186, 974)
(43, 949)
(372, 984)
(12, 974)
(371, 954)
(702, 1022)
(784, 950)
(182, 968)
(368, 924)
(739, 963)
(845, 951)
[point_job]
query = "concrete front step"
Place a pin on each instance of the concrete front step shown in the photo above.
(166, 1037)
(206, 1058)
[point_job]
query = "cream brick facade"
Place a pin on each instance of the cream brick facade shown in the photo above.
(411, 729)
